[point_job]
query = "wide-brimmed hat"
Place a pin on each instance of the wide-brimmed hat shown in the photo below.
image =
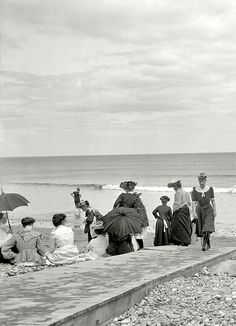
(202, 176)
(126, 185)
(173, 182)
(98, 225)
(164, 198)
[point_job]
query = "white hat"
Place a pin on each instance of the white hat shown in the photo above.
(98, 225)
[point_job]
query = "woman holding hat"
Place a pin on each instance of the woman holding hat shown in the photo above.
(204, 210)
(181, 224)
(163, 214)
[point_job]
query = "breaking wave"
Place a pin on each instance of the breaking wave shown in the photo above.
(97, 186)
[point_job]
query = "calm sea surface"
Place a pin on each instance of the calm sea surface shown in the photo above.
(48, 181)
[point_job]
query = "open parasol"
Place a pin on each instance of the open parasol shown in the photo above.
(122, 221)
(10, 201)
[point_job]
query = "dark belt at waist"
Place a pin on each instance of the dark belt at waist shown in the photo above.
(205, 206)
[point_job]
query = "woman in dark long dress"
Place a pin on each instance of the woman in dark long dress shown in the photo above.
(181, 223)
(163, 214)
(131, 199)
(204, 210)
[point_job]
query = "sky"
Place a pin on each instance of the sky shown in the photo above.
(83, 77)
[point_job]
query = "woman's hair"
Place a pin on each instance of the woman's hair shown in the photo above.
(57, 219)
(178, 184)
(27, 221)
(128, 185)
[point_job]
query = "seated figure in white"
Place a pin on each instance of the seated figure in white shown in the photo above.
(62, 248)
(97, 246)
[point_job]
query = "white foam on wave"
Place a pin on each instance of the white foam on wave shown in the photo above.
(166, 189)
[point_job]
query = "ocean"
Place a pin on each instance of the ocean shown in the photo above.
(47, 182)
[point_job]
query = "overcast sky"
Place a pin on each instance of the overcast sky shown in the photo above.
(117, 76)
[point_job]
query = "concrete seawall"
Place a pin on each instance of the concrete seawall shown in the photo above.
(90, 293)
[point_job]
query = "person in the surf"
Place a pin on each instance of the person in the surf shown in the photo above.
(76, 195)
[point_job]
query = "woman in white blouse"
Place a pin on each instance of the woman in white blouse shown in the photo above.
(62, 249)
(181, 224)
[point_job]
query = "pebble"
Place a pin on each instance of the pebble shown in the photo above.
(203, 299)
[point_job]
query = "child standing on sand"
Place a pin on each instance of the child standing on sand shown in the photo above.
(163, 214)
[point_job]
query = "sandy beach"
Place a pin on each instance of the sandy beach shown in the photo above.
(225, 235)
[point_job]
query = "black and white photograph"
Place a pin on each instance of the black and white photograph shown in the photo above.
(117, 163)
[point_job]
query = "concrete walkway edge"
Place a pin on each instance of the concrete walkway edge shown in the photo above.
(100, 314)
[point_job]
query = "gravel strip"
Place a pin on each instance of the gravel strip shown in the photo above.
(206, 298)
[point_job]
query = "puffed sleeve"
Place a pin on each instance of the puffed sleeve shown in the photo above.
(177, 201)
(6, 248)
(39, 245)
(118, 201)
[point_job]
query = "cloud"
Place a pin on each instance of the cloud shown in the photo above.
(117, 67)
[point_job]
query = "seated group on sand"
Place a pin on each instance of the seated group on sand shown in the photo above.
(120, 231)
(26, 248)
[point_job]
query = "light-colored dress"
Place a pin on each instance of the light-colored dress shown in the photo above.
(29, 246)
(62, 248)
(97, 247)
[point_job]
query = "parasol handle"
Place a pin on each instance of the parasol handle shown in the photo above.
(8, 221)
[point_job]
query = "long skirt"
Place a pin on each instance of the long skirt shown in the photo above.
(162, 233)
(119, 246)
(181, 228)
(205, 221)
(63, 255)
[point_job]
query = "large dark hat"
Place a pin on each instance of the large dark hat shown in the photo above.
(126, 185)
(173, 182)
(164, 198)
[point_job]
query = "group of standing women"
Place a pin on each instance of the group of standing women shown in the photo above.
(178, 228)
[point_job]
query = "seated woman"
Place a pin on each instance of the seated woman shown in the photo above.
(62, 249)
(97, 246)
(28, 243)
(5, 234)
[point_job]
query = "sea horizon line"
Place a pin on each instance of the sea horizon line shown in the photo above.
(115, 155)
